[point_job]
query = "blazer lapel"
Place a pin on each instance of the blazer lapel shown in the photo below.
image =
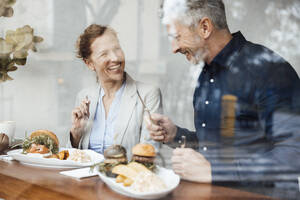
(94, 98)
(128, 103)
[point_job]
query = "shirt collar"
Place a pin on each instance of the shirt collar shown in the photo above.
(118, 93)
(224, 57)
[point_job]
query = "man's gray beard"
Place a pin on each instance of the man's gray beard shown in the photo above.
(198, 57)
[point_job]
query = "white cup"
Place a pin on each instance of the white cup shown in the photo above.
(8, 127)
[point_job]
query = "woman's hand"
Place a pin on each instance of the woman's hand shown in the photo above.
(80, 116)
(4, 142)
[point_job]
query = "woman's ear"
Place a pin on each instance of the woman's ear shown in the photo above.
(89, 64)
(205, 27)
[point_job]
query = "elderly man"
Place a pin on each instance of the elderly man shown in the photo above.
(242, 102)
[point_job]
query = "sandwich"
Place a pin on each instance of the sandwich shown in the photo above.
(114, 155)
(144, 154)
(41, 141)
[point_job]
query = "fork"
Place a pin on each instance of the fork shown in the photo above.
(152, 121)
(145, 107)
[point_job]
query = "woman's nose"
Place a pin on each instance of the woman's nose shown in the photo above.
(114, 56)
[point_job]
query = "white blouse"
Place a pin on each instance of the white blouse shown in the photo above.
(102, 135)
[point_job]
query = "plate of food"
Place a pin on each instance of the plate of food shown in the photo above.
(139, 178)
(41, 149)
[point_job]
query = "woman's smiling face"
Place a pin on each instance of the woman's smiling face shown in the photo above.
(107, 57)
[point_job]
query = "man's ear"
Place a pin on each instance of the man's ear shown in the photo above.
(205, 27)
(89, 64)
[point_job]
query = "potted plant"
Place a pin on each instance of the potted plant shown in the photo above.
(14, 47)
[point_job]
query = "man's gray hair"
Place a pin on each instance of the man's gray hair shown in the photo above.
(191, 12)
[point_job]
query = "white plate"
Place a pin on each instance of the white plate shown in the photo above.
(39, 161)
(168, 176)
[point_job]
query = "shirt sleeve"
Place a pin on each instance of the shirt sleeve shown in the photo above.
(190, 136)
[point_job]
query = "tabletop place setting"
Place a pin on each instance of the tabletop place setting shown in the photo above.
(139, 177)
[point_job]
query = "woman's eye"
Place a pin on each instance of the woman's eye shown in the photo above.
(118, 49)
(102, 55)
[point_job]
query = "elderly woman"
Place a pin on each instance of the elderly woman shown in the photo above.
(111, 112)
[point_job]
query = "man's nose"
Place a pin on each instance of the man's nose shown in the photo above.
(175, 47)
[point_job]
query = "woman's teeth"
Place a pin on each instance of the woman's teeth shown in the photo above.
(114, 67)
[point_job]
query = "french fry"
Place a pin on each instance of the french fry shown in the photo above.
(125, 171)
(120, 179)
(128, 173)
(137, 167)
(63, 155)
(127, 182)
(67, 154)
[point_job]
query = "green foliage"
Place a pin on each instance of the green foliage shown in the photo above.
(42, 140)
(14, 49)
(106, 168)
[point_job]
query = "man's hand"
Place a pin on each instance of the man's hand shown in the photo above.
(191, 165)
(80, 116)
(161, 128)
(4, 142)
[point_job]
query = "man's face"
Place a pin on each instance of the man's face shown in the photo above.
(107, 58)
(185, 40)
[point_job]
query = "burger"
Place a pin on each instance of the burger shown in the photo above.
(144, 154)
(41, 141)
(114, 155)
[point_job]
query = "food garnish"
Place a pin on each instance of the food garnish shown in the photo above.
(114, 155)
(41, 141)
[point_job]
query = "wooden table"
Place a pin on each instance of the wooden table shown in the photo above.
(18, 181)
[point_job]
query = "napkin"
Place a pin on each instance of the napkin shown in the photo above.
(80, 173)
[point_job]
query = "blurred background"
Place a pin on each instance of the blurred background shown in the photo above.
(42, 94)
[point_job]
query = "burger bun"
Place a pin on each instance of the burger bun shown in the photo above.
(45, 132)
(146, 150)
